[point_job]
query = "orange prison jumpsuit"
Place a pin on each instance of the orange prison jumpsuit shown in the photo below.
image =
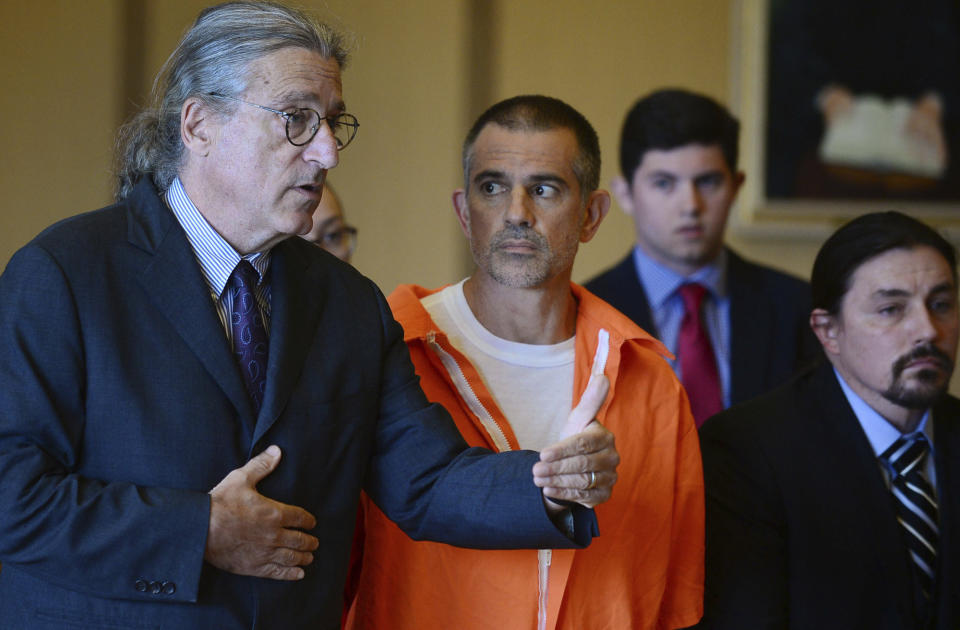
(645, 570)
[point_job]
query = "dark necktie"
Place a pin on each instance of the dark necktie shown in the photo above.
(916, 503)
(249, 333)
(698, 365)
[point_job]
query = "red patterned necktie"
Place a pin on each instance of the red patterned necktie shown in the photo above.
(698, 365)
(249, 333)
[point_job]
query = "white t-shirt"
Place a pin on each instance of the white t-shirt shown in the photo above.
(531, 384)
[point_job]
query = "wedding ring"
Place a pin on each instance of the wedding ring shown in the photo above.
(593, 481)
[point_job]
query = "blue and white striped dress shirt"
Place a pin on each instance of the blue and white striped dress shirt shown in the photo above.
(217, 257)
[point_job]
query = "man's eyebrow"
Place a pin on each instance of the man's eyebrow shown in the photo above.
(546, 178)
(943, 287)
(888, 293)
(709, 174)
(301, 96)
(661, 173)
(488, 174)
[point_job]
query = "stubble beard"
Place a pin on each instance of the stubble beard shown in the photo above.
(517, 271)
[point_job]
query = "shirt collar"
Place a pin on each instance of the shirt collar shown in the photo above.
(216, 256)
(880, 432)
(661, 282)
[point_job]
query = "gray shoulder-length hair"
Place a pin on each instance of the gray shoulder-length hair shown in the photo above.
(211, 58)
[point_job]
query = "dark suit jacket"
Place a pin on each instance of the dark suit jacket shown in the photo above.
(801, 528)
(770, 336)
(121, 406)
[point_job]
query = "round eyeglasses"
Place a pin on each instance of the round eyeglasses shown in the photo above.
(303, 123)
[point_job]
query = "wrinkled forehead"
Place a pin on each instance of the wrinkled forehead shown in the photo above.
(296, 74)
(523, 149)
(914, 271)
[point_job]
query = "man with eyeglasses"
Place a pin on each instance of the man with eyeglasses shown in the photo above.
(330, 230)
(158, 357)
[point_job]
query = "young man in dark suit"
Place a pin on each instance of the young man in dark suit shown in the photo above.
(832, 502)
(737, 328)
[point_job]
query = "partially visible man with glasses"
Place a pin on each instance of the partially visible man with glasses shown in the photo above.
(330, 229)
(159, 355)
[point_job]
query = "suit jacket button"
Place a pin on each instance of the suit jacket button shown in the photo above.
(140, 585)
(155, 587)
(169, 588)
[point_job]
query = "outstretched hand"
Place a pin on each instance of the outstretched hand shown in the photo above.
(581, 467)
(250, 534)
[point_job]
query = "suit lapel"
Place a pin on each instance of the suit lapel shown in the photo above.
(751, 320)
(173, 281)
(297, 297)
(946, 437)
(634, 302)
(860, 485)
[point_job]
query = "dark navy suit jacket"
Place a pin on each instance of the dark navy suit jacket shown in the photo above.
(801, 528)
(121, 406)
(770, 336)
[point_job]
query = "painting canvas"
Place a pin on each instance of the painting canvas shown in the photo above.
(848, 105)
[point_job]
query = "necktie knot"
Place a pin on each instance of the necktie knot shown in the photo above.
(244, 275)
(692, 294)
(907, 454)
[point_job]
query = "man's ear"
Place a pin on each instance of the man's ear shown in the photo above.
(598, 205)
(196, 126)
(827, 329)
(738, 179)
(621, 192)
(462, 208)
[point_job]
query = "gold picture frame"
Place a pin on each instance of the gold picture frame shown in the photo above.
(755, 215)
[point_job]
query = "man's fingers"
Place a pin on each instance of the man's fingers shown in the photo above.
(280, 572)
(586, 410)
(297, 541)
(581, 468)
(261, 465)
(250, 534)
(603, 462)
(586, 498)
(578, 482)
(595, 437)
(291, 557)
(566, 466)
(294, 516)
(589, 491)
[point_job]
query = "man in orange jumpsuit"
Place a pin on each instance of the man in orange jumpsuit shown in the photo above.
(508, 352)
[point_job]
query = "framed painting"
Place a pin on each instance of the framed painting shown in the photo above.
(846, 107)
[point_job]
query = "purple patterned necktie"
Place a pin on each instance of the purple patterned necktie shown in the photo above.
(249, 333)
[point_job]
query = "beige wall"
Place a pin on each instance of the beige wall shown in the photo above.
(72, 69)
(59, 68)
(410, 83)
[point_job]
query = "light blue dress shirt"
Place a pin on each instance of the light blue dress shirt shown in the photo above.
(882, 434)
(661, 286)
